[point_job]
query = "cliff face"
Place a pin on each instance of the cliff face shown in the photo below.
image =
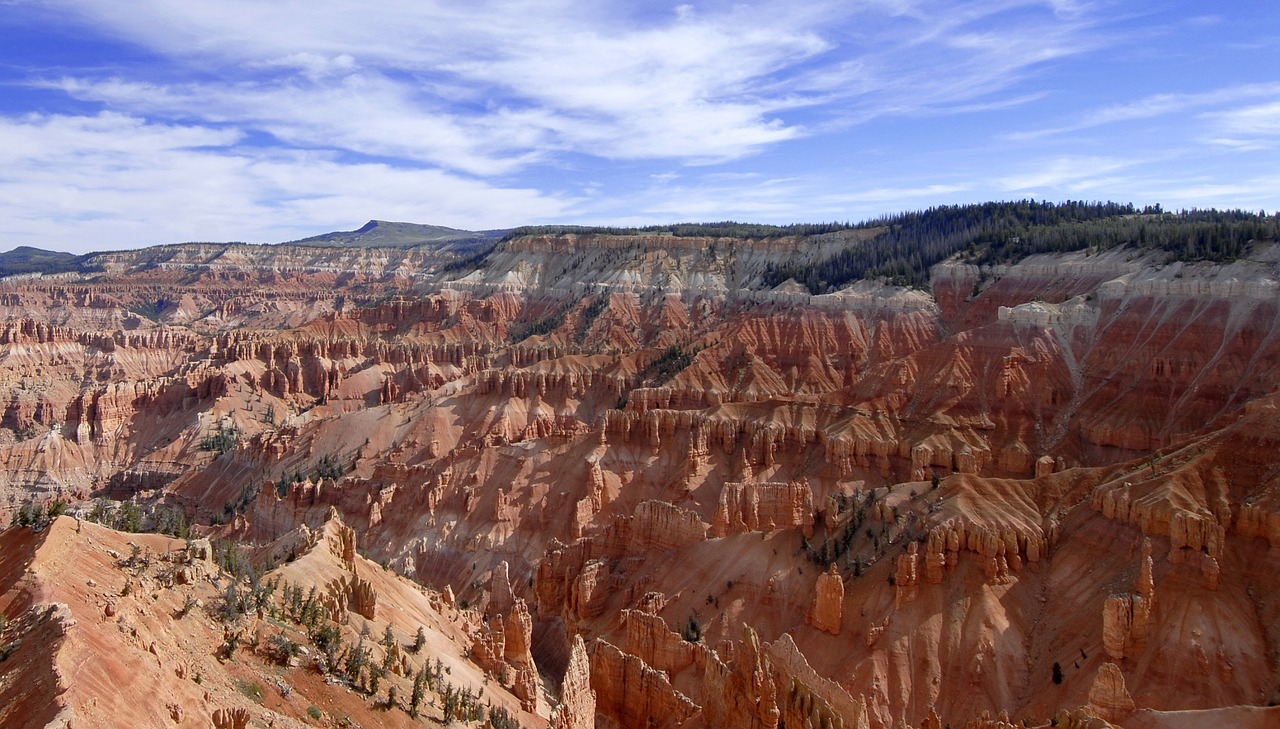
(717, 504)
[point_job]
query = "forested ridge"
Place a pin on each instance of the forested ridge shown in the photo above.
(722, 229)
(1006, 232)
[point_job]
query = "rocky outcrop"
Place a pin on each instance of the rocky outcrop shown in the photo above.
(828, 602)
(749, 507)
(1108, 694)
(518, 647)
(1001, 551)
(633, 694)
(590, 590)
(743, 693)
(660, 525)
(646, 635)
(906, 576)
(501, 598)
(231, 718)
(352, 594)
(1158, 513)
(577, 709)
(1079, 719)
(1126, 619)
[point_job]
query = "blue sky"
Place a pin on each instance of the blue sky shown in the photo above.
(159, 122)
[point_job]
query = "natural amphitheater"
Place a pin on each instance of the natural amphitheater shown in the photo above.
(1013, 464)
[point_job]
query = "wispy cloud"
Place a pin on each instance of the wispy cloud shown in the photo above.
(1262, 120)
(491, 86)
(1062, 172)
(100, 182)
(1155, 105)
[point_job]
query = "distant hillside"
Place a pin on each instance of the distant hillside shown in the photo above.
(383, 234)
(25, 259)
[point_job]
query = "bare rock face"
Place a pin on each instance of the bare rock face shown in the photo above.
(828, 603)
(231, 718)
(590, 590)
(1079, 719)
(1001, 552)
(1126, 619)
(1154, 385)
(631, 692)
(525, 686)
(660, 525)
(519, 635)
(1108, 694)
(907, 575)
(1189, 532)
(200, 550)
(351, 593)
(749, 507)
(577, 709)
(345, 547)
(362, 598)
(743, 694)
(647, 635)
(501, 598)
(935, 562)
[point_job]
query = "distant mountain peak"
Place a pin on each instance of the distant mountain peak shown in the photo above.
(389, 234)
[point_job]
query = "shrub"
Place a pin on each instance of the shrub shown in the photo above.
(692, 630)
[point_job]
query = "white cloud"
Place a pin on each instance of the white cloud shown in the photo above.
(1262, 120)
(488, 87)
(1155, 105)
(83, 183)
(1063, 172)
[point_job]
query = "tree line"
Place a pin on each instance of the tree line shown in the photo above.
(1007, 232)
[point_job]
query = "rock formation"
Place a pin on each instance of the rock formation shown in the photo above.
(231, 718)
(577, 709)
(1108, 694)
(764, 507)
(828, 603)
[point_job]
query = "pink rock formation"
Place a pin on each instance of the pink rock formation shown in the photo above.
(828, 603)
(660, 525)
(1108, 694)
(577, 709)
(1126, 619)
(745, 507)
(501, 598)
(231, 718)
(633, 694)
(647, 636)
(906, 575)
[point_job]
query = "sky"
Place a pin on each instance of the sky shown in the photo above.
(154, 121)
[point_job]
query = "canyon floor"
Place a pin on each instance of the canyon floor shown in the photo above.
(615, 480)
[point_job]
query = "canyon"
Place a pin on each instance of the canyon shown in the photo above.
(618, 481)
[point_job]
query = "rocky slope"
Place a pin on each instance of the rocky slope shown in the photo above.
(1038, 490)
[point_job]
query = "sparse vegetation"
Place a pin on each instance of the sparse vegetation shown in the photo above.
(671, 362)
(329, 468)
(253, 690)
(223, 440)
(282, 649)
(692, 630)
(544, 325)
(590, 313)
